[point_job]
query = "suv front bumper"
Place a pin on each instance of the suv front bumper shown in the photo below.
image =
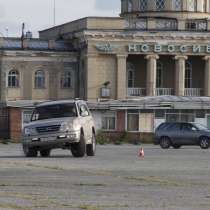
(54, 140)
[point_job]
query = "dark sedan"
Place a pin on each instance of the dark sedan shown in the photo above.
(178, 134)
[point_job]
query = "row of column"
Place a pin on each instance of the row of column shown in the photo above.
(180, 61)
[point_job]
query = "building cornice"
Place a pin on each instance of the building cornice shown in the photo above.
(142, 35)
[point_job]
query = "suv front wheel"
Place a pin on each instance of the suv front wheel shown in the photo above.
(91, 148)
(78, 149)
(29, 152)
(165, 142)
(45, 153)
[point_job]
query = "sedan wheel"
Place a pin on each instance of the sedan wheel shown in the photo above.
(204, 143)
(165, 143)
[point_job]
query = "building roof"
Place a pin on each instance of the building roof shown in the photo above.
(157, 102)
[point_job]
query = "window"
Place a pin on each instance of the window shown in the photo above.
(27, 116)
(166, 24)
(109, 121)
(192, 5)
(160, 5)
(13, 79)
(66, 79)
(136, 23)
(133, 121)
(130, 75)
(130, 6)
(177, 5)
(143, 5)
(188, 75)
(159, 78)
(160, 114)
(39, 79)
(196, 25)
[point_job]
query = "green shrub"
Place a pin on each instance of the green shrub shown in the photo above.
(124, 138)
(101, 138)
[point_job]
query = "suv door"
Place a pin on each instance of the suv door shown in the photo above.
(86, 121)
(174, 133)
(189, 133)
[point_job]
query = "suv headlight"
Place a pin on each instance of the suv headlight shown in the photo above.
(29, 131)
(65, 127)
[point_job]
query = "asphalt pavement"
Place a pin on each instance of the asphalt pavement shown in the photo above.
(115, 179)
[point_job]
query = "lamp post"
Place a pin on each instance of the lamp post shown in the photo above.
(54, 12)
(2, 39)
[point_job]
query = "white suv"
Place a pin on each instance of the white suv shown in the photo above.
(60, 124)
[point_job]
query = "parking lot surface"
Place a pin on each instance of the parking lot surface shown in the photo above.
(116, 178)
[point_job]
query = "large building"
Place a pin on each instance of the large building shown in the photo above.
(150, 65)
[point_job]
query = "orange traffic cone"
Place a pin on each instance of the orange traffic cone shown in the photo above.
(141, 153)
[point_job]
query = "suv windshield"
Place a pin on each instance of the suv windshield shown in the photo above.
(54, 111)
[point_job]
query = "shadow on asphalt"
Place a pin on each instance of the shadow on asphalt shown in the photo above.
(23, 157)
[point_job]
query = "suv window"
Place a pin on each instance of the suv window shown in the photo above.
(169, 127)
(83, 110)
(174, 127)
(54, 111)
(163, 126)
(188, 127)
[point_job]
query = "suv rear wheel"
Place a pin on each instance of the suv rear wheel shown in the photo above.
(91, 148)
(29, 152)
(78, 149)
(45, 153)
(165, 142)
(204, 142)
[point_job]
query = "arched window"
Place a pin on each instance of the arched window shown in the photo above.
(177, 5)
(66, 79)
(143, 5)
(160, 5)
(130, 5)
(159, 77)
(13, 79)
(39, 79)
(130, 75)
(192, 5)
(188, 75)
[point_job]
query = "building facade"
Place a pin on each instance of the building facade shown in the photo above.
(150, 65)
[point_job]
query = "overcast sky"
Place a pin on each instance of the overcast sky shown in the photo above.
(38, 14)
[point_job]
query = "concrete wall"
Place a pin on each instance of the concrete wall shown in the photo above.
(101, 68)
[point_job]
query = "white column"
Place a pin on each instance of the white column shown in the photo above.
(180, 75)
(207, 76)
(121, 84)
(151, 74)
